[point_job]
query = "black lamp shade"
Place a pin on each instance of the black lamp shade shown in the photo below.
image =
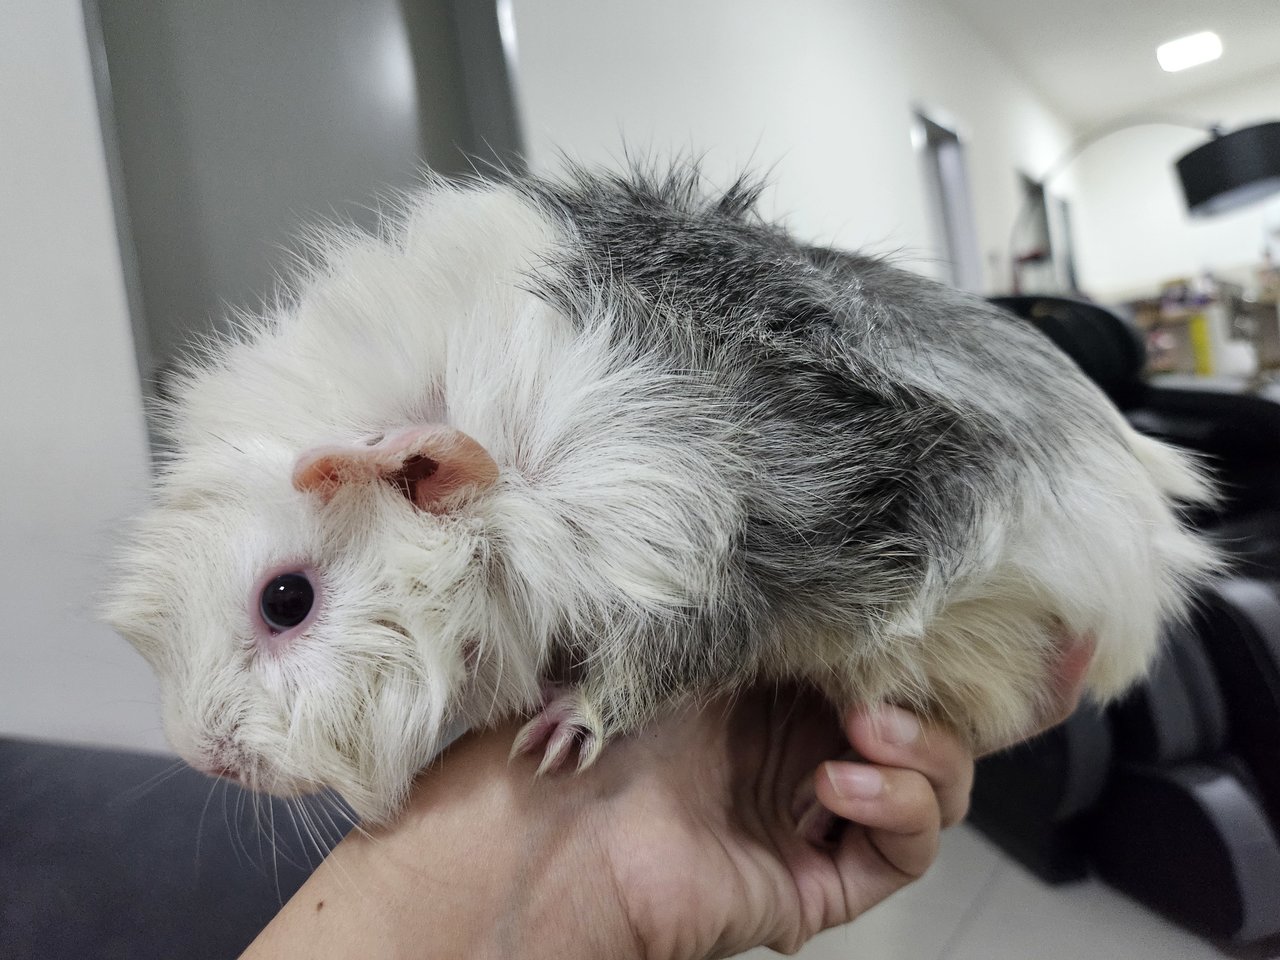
(1232, 170)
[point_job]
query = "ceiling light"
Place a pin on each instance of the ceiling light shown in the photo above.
(1189, 51)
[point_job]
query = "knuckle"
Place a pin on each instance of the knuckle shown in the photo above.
(916, 799)
(926, 854)
(956, 811)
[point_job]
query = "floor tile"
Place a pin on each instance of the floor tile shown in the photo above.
(1019, 918)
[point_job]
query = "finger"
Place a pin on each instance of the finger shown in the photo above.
(894, 737)
(898, 808)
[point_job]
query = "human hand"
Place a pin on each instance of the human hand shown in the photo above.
(714, 829)
(719, 832)
(696, 837)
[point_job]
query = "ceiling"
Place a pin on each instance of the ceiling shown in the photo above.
(1095, 60)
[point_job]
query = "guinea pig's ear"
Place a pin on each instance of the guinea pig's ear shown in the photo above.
(429, 465)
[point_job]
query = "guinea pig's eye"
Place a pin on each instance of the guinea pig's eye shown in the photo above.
(286, 601)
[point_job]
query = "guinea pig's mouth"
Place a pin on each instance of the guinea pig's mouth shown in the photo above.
(225, 759)
(224, 773)
(222, 770)
(259, 778)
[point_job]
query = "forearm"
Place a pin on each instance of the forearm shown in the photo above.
(480, 865)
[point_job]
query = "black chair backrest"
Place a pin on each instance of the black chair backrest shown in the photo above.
(1107, 348)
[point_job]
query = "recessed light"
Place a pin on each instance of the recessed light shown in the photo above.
(1189, 51)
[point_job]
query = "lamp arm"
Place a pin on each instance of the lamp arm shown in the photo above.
(1119, 125)
(1068, 156)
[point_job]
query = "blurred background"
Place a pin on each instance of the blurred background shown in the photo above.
(158, 158)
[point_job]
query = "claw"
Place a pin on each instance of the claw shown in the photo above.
(558, 747)
(566, 723)
(589, 750)
(532, 736)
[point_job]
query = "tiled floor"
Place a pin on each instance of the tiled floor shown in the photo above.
(977, 904)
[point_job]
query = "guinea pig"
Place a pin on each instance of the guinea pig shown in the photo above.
(583, 449)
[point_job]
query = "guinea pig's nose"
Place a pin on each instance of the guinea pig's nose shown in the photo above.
(221, 757)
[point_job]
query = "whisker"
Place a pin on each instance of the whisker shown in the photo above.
(288, 808)
(324, 802)
(308, 823)
(275, 863)
(237, 819)
(200, 823)
(132, 794)
(226, 821)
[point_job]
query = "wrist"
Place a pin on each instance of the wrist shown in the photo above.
(485, 862)
(549, 889)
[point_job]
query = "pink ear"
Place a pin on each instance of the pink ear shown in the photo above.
(428, 464)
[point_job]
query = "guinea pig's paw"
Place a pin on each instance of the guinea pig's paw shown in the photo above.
(567, 723)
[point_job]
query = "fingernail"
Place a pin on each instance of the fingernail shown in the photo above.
(894, 725)
(855, 782)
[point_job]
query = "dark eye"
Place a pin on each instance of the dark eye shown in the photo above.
(286, 601)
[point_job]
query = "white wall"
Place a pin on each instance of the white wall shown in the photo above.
(72, 431)
(821, 91)
(1132, 229)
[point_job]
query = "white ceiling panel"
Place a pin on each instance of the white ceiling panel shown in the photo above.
(1095, 60)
